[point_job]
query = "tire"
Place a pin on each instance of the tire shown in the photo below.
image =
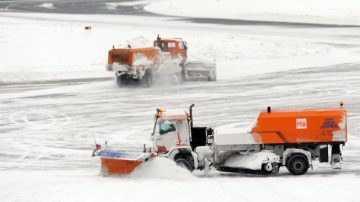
(211, 78)
(181, 77)
(297, 164)
(183, 164)
(263, 170)
(183, 74)
(119, 81)
(276, 168)
(184, 161)
(147, 80)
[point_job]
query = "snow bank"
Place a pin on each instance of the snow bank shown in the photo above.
(112, 6)
(161, 168)
(133, 3)
(324, 11)
(47, 5)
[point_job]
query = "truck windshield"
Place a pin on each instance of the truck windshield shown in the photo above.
(166, 46)
(167, 126)
(171, 45)
(174, 129)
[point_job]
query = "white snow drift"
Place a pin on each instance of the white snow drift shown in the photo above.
(320, 11)
(47, 5)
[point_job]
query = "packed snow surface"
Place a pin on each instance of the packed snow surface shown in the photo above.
(320, 11)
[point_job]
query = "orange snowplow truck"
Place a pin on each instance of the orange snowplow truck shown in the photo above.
(290, 138)
(142, 65)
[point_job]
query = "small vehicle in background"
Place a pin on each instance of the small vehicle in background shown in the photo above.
(199, 71)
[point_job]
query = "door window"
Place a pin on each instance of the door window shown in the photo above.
(171, 45)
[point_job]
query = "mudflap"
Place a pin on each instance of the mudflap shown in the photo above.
(122, 162)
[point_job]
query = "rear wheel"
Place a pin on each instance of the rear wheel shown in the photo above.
(185, 161)
(297, 164)
(119, 81)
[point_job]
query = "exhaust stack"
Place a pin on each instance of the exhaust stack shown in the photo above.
(191, 116)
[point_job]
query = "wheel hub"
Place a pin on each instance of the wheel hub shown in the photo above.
(298, 166)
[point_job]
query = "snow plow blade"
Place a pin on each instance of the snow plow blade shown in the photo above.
(121, 162)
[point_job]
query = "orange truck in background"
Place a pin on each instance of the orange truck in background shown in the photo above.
(143, 65)
(290, 138)
(167, 59)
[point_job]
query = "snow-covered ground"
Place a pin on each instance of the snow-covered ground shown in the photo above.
(320, 11)
(46, 129)
(67, 186)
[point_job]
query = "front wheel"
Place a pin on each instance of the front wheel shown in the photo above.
(185, 161)
(147, 80)
(183, 164)
(297, 165)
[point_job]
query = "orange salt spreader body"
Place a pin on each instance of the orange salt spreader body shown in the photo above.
(127, 56)
(301, 126)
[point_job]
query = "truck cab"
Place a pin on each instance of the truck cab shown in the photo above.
(171, 132)
(175, 137)
(177, 47)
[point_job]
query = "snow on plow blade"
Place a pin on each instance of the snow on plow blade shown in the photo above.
(121, 162)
